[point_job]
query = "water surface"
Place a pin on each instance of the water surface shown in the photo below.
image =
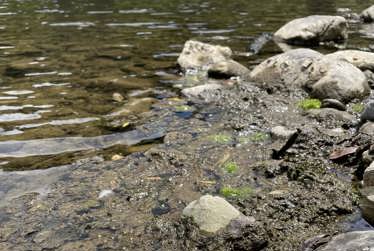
(61, 61)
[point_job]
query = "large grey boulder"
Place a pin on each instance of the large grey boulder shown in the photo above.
(323, 77)
(291, 68)
(214, 59)
(341, 81)
(313, 29)
(352, 241)
(368, 14)
(369, 175)
(361, 59)
(210, 213)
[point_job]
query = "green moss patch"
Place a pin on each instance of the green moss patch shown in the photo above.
(358, 107)
(308, 104)
(231, 167)
(241, 192)
(221, 138)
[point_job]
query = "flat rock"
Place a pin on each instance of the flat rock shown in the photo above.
(322, 77)
(361, 59)
(197, 90)
(369, 175)
(352, 241)
(211, 213)
(368, 14)
(313, 29)
(330, 113)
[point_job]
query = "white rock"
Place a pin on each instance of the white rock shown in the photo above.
(211, 213)
(214, 59)
(197, 54)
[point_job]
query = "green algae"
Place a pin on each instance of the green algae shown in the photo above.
(308, 104)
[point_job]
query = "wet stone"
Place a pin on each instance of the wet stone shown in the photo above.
(360, 240)
(369, 175)
(333, 103)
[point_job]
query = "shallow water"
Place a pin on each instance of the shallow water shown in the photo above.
(61, 61)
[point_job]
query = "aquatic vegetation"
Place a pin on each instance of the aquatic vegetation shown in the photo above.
(308, 104)
(221, 138)
(256, 137)
(358, 107)
(231, 167)
(241, 192)
(183, 108)
(259, 137)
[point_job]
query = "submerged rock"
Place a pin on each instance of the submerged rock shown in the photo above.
(211, 213)
(358, 240)
(368, 14)
(313, 29)
(361, 59)
(322, 77)
(214, 59)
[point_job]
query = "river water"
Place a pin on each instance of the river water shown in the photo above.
(61, 62)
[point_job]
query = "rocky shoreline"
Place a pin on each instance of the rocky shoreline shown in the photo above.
(249, 160)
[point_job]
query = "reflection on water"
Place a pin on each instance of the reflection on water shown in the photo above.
(70, 57)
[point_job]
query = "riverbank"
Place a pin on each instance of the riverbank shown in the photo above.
(224, 148)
